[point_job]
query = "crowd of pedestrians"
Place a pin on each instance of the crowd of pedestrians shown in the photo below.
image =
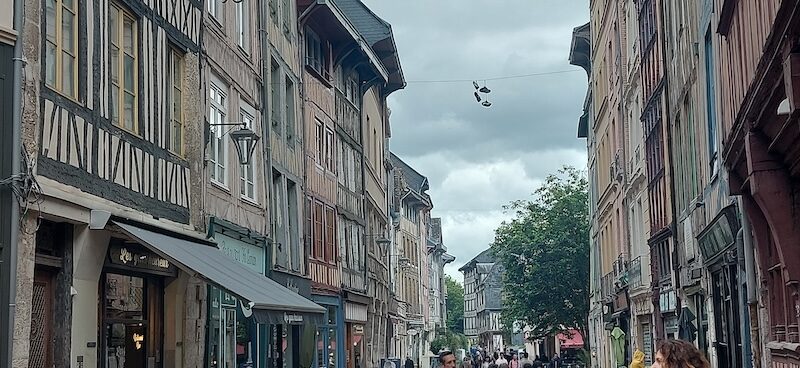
(508, 359)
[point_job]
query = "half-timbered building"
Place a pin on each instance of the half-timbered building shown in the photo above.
(409, 261)
(114, 260)
(756, 47)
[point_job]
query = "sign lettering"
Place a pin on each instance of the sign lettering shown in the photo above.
(125, 256)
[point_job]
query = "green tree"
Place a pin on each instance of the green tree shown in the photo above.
(454, 305)
(447, 339)
(545, 251)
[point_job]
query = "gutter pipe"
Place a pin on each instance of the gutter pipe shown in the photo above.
(6, 348)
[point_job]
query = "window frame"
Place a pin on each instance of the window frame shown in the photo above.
(330, 140)
(216, 9)
(121, 87)
(218, 134)
(176, 55)
(248, 119)
(290, 110)
(58, 48)
(330, 244)
(243, 38)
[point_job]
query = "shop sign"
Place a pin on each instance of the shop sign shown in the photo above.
(136, 258)
(247, 254)
(718, 236)
(358, 329)
(291, 318)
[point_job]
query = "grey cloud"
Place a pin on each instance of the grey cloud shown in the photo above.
(479, 159)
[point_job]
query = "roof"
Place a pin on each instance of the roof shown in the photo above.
(483, 257)
(416, 181)
(378, 34)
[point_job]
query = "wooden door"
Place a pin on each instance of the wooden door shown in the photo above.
(41, 337)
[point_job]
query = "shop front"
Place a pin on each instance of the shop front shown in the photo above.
(132, 305)
(151, 278)
(234, 338)
(330, 334)
(355, 317)
(292, 342)
(717, 245)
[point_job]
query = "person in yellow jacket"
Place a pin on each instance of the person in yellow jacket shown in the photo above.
(638, 359)
(673, 354)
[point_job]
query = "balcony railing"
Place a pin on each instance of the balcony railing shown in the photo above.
(635, 272)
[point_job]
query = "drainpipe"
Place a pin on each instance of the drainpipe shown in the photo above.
(752, 296)
(6, 347)
(266, 123)
(743, 321)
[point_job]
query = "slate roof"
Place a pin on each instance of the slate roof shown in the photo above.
(483, 257)
(371, 27)
(378, 34)
(416, 181)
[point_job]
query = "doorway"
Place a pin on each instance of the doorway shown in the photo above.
(132, 314)
(41, 336)
(725, 294)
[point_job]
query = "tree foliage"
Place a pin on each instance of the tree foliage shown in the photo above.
(545, 251)
(448, 340)
(454, 305)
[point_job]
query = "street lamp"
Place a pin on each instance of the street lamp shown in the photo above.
(244, 140)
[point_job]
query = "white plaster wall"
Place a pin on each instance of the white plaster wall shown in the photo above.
(90, 247)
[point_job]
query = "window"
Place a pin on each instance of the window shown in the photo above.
(124, 78)
(275, 95)
(61, 45)
(217, 9)
(319, 231)
(174, 132)
(711, 105)
(219, 145)
(293, 220)
(320, 141)
(287, 18)
(290, 111)
(243, 26)
(308, 226)
(330, 235)
(315, 53)
(329, 142)
(247, 186)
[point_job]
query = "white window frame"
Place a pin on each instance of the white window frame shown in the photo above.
(248, 172)
(243, 27)
(217, 112)
(216, 8)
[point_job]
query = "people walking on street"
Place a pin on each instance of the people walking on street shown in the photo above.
(524, 359)
(410, 363)
(678, 354)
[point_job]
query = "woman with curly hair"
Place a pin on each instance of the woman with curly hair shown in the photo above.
(679, 354)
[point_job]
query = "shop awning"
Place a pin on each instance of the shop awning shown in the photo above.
(271, 302)
(573, 341)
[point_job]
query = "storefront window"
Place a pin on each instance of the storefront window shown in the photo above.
(124, 297)
(244, 346)
(320, 349)
(331, 348)
(230, 333)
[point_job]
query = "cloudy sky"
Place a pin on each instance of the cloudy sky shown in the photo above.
(479, 159)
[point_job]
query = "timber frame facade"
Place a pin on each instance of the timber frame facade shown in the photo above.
(145, 242)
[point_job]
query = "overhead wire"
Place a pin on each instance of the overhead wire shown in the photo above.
(495, 78)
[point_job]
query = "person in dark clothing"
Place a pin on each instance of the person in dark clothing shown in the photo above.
(409, 363)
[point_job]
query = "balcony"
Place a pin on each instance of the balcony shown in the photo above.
(635, 272)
